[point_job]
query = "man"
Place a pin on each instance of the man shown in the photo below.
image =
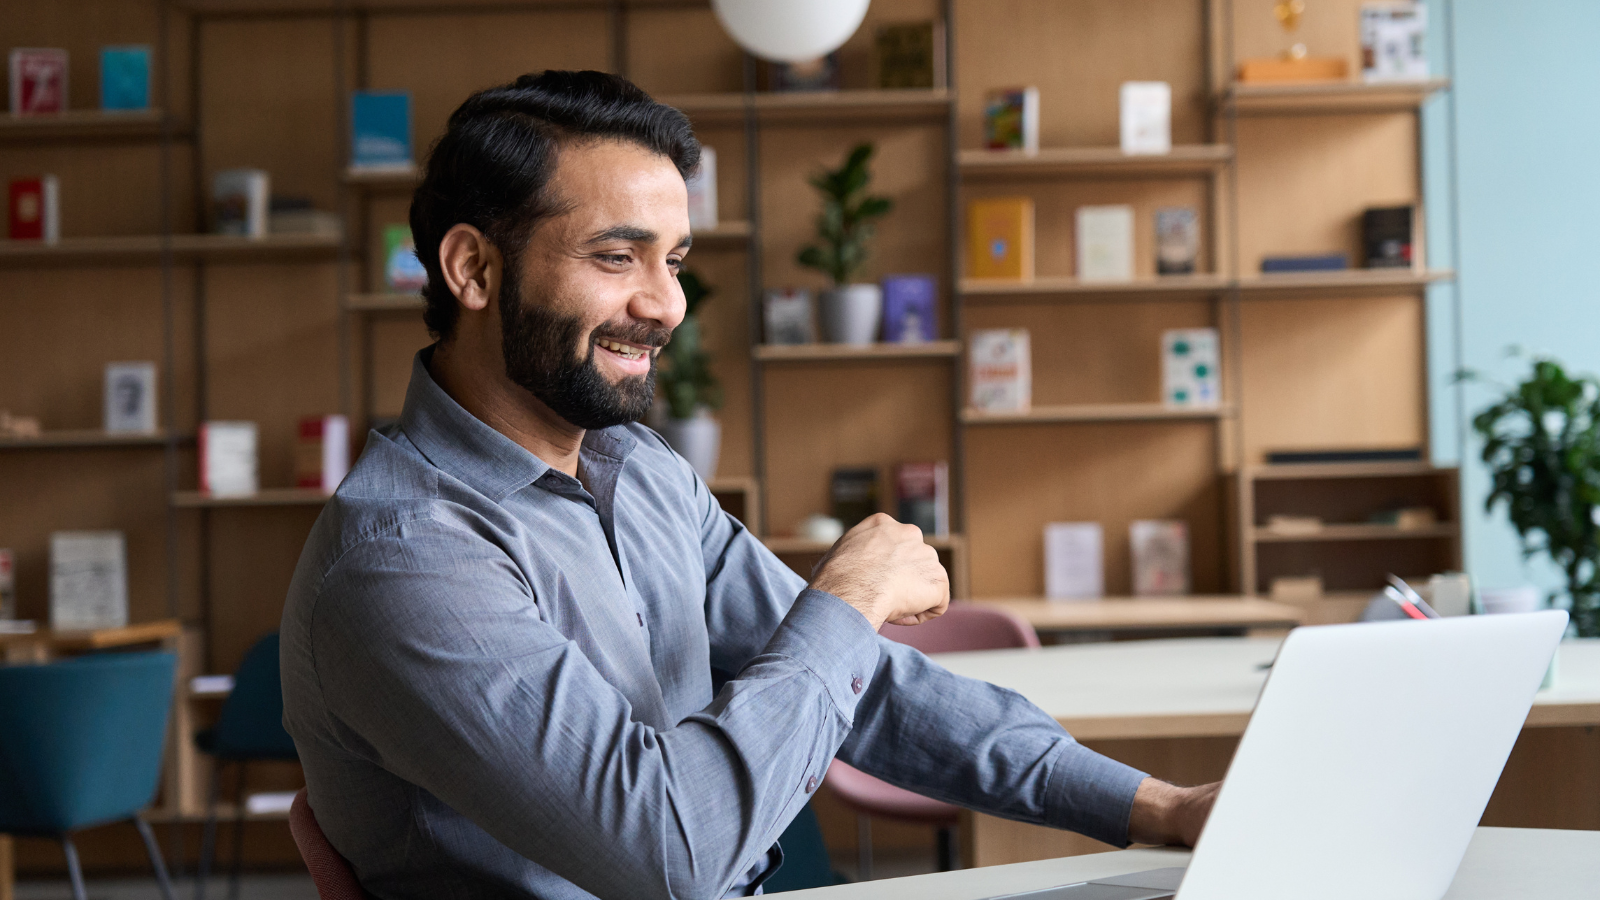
(502, 645)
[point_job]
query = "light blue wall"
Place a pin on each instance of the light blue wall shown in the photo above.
(1526, 129)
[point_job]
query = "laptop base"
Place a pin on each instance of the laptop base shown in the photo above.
(1154, 884)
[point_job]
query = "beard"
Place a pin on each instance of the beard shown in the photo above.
(542, 356)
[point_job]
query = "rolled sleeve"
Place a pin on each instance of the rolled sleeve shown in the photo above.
(1092, 794)
(832, 639)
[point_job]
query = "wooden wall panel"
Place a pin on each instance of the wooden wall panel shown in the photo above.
(1078, 53)
(682, 51)
(1328, 28)
(1021, 477)
(81, 28)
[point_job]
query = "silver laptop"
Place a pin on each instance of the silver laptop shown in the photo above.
(1366, 765)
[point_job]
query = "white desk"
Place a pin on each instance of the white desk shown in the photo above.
(1177, 708)
(1501, 864)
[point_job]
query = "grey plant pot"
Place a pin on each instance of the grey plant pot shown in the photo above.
(698, 440)
(850, 314)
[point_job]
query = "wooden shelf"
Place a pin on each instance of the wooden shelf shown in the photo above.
(384, 178)
(1056, 289)
(1131, 614)
(147, 249)
(273, 9)
(1096, 412)
(1307, 471)
(1342, 283)
(86, 125)
(382, 303)
(1356, 531)
(726, 234)
(811, 106)
(1184, 160)
(796, 353)
(1318, 97)
(795, 546)
(268, 497)
(86, 439)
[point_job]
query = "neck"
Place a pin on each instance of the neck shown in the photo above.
(479, 383)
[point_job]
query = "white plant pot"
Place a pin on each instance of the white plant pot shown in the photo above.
(850, 314)
(698, 440)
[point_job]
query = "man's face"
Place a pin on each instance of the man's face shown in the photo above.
(595, 295)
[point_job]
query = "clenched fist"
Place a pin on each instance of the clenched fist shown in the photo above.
(885, 570)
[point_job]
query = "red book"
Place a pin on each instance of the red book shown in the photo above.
(34, 209)
(38, 81)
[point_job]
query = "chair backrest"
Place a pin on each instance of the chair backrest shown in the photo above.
(250, 725)
(81, 739)
(330, 872)
(966, 626)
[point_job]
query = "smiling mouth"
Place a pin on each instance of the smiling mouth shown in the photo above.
(626, 351)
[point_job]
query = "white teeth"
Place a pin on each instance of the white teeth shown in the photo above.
(622, 350)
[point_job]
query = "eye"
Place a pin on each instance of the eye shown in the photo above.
(675, 263)
(615, 259)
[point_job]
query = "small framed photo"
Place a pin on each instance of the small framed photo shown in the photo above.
(130, 397)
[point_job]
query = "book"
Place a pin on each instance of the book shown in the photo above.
(820, 74)
(402, 271)
(909, 55)
(787, 316)
(1104, 239)
(125, 77)
(322, 452)
(1001, 371)
(1160, 551)
(380, 130)
(1386, 237)
(1316, 262)
(1074, 566)
(854, 494)
(88, 580)
(228, 458)
(38, 81)
(1000, 238)
(130, 397)
(910, 308)
(1146, 117)
(1177, 240)
(297, 215)
(1394, 41)
(702, 186)
(35, 209)
(1011, 119)
(1191, 367)
(922, 494)
(240, 201)
(8, 585)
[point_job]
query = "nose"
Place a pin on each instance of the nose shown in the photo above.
(659, 299)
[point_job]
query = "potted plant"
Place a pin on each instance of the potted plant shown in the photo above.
(850, 312)
(1541, 444)
(690, 389)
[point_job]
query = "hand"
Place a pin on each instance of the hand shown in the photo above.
(1167, 814)
(886, 571)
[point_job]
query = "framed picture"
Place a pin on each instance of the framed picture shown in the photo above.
(130, 397)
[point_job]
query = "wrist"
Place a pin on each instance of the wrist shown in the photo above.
(1154, 812)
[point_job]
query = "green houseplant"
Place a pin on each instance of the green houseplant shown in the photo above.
(850, 311)
(1541, 444)
(689, 387)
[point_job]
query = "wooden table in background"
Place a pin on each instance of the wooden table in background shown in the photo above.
(1176, 709)
(41, 646)
(1134, 615)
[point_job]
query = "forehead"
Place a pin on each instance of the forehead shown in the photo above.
(615, 181)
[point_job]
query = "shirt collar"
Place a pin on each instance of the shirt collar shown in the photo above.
(462, 445)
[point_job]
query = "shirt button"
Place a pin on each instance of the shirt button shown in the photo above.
(811, 784)
(855, 684)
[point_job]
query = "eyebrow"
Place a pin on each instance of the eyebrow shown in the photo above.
(634, 234)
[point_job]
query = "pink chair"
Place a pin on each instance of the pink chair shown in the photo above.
(330, 872)
(965, 626)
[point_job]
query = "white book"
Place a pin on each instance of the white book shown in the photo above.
(1146, 117)
(1001, 370)
(240, 201)
(1160, 551)
(228, 458)
(1191, 367)
(1394, 41)
(130, 397)
(88, 580)
(1105, 243)
(703, 192)
(1074, 567)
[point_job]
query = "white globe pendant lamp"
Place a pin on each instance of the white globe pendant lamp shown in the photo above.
(790, 30)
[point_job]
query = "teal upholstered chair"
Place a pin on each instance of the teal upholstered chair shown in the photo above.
(249, 728)
(805, 858)
(80, 745)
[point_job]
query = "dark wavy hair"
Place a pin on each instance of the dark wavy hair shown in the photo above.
(491, 168)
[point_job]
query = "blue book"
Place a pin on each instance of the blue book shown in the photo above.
(380, 129)
(909, 308)
(1324, 262)
(125, 77)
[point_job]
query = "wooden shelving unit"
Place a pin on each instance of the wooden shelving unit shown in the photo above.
(85, 125)
(801, 353)
(1184, 160)
(264, 497)
(1347, 283)
(1097, 412)
(84, 439)
(1354, 531)
(1066, 289)
(1310, 98)
(151, 249)
(816, 106)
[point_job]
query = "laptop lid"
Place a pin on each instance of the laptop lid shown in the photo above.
(1370, 757)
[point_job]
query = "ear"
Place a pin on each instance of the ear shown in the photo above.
(471, 266)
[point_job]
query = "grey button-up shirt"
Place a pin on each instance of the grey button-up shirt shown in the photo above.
(502, 680)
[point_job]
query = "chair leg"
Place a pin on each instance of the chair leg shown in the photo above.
(238, 836)
(947, 848)
(157, 861)
(863, 847)
(208, 837)
(74, 870)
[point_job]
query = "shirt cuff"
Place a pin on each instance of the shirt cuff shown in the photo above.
(834, 641)
(1092, 794)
